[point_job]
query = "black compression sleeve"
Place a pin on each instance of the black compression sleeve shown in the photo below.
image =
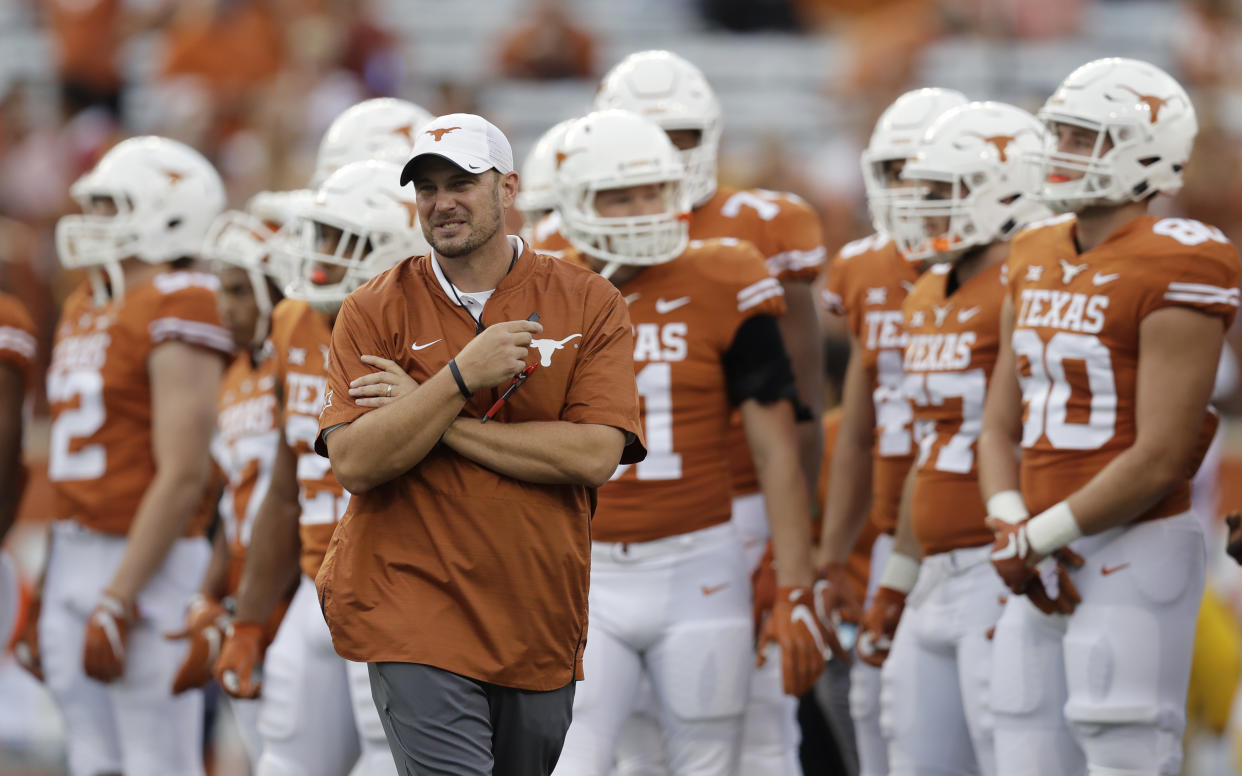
(757, 366)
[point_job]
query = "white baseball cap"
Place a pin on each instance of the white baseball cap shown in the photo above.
(471, 142)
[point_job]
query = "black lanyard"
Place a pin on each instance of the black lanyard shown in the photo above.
(478, 322)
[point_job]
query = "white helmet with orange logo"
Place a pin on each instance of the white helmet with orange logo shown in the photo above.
(248, 239)
(382, 129)
(987, 190)
(165, 195)
(675, 95)
(378, 224)
(895, 137)
(612, 149)
(1145, 129)
(538, 194)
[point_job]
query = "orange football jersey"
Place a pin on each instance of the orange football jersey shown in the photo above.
(247, 437)
(100, 459)
(789, 235)
(685, 314)
(17, 336)
(547, 237)
(952, 342)
(1076, 339)
(301, 340)
(868, 280)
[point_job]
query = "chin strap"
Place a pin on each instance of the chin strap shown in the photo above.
(609, 269)
(113, 288)
(263, 301)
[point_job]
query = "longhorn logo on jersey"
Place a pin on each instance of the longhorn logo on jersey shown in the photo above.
(547, 347)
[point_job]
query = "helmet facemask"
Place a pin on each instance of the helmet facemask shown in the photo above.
(329, 258)
(642, 241)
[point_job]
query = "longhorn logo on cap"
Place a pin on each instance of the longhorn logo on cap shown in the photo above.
(439, 133)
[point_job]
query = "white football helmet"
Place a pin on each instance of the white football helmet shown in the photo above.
(896, 135)
(675, 95)
(378, 221)
(613, 149)
(1137, 109)
(538, 193)
(165, 194)
(248, 239)
(383, 129)
(977, 150)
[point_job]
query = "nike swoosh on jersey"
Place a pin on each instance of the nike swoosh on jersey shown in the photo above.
(417, 346)
(966, 315)
(1099, 279)
(664, 306)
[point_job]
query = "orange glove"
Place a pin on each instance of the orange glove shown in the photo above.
(238, 667)
(763, 586)
(1234, 548)
(26, 648)
(835, 600)
(107, 634)
(1015, 561)
(879, 625)
(804, 641)
(205, 625)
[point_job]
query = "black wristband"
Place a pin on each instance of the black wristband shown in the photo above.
(461, 384)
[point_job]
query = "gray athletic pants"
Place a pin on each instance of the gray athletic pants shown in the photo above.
(441, 724)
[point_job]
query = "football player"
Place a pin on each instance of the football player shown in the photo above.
(241, 245)
(138, 356)
(867, 282)
(971, 192)
(382, 128)
(359, 223)
(1111, 332)
(537, 198)
(706, 340)
(674, 94)
(17, 352)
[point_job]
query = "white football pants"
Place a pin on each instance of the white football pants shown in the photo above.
(934, 702)
(1104, 688)
(134, 725)
(865, 682)
(677, 610)
(316, 707)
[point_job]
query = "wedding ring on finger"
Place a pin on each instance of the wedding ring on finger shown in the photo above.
(388, 390)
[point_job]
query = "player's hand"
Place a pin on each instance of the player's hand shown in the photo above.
(497, 354)
(1015, 561)
(803, 640)
(835, 600)
(206, 622)
(383, 387)
(763, 586)
(26, 648)
(879, 626)
(241, 659)
(1234, 548)
(107, 635)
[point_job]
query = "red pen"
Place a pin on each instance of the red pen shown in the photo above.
(513, 386)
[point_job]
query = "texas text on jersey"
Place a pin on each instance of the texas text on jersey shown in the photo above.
(101, 462)
(301, 338)
(952, 345)
(685, 314)
(868, 281)
(247, 435)
(1076, 339)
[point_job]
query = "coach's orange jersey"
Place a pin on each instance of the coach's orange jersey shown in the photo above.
(685, 314)
(789, 235)
(301, 339)
(868, 280)
(1076, 339)
(100, 459)
(17, 337)
(247, 436)
(952, 342)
